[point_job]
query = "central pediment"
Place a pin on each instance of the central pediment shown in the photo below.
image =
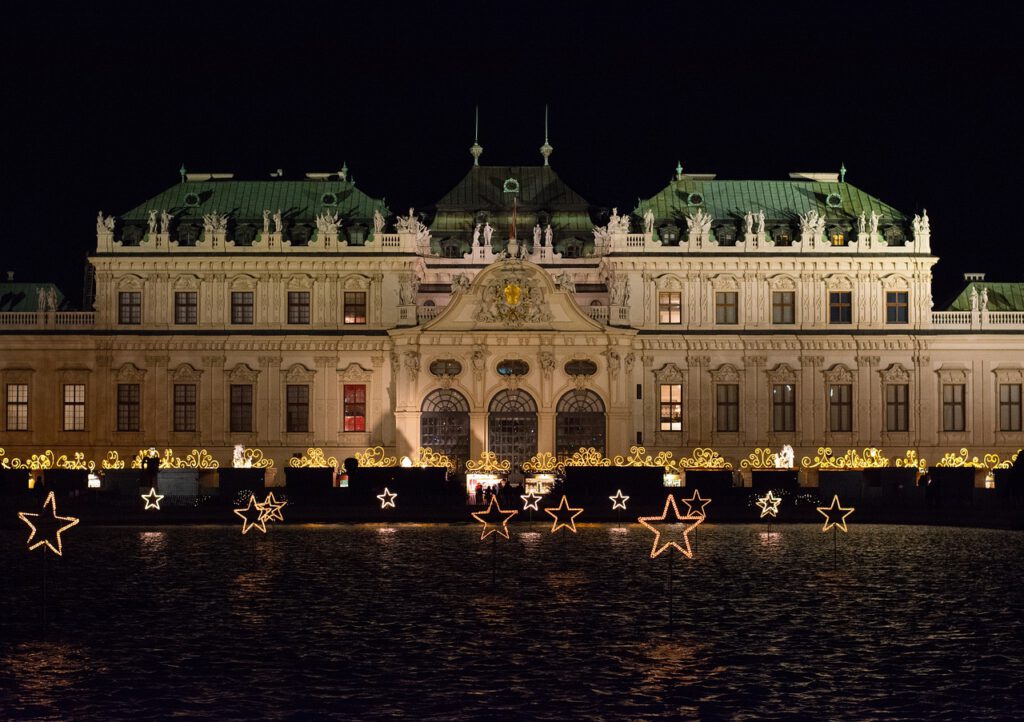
(512, 295)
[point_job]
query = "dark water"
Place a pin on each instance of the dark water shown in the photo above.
(370, 622)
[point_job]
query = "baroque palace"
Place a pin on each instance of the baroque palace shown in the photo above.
(515, 317)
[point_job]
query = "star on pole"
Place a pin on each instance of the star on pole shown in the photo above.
(387, 499)
(152, 499)
(690, 522)
(619, 500)
(252, 516)
(769, 504)
(495, 519)
(530, 500)
(693, 502)
(835, 515)
(272, 508)
(49, 527)
(564, 516)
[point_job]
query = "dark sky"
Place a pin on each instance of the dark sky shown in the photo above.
(104, 103)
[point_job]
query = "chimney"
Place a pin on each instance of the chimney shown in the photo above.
(970, 277)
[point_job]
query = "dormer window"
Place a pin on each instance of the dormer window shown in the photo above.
(894, 236)
(782, 236)
(245, 234)
(726, 235)
(572, 249)
(299, 236)
(188, 234)
(836, 236)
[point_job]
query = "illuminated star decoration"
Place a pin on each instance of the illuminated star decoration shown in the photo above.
(769, 504)
(152, 499)
(387, 499)
(835, 515)
(564, 516)
(272, 508)
(691, 522)
(692, 503)
(619, 500)
(252, 516)
(495, 519)
(530, 500)
(49, 526)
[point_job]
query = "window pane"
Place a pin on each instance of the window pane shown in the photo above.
(242, 307)
(726, 307)
(355, 307)
(17, 407)
(783, 307)
(241, 408)
(129, 307)
(297, 414)
(670, 307)
(727, 398)
(128, 407)
(186, 307)
(74, 407)
(354, 407)
(840, 307)
(184, 407)
(298, 307)
(671, 407)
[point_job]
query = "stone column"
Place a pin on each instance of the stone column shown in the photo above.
(811, 399)
(926, 410)
(698, 413)
(754, 413)
(381, 432)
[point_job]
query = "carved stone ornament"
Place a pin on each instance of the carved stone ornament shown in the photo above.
(838, 282)
(185, 372)
(669, 374)
(130, 372)
(547, 363)
(782, 373)
(243, 282)
(299, 374)
(781, 282)
(131, 282)
(895, 282)
(355, 281)
(186, 282)
(838, 374)
(668, 282)
(895, 374)
(725, 282)
(355, 372)
(300, 281)
(512, 299)
(1009, 374)
(726, 373)
(953, 375)
(241, 373)
(412, 364)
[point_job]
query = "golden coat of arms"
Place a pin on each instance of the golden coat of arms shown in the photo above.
(513, 292)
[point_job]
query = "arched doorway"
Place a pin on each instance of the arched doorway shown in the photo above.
(579, 422)
(512, 429)
(444, 424)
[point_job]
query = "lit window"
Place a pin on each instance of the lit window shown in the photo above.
(355, 307)
(355, 407)
(783, 307)
(17, 407)
(670, 307)
(671, 414)
(74, 407)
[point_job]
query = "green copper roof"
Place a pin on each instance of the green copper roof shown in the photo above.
(246, 200)
(1001, 296)
(539, 187)
(781, 200)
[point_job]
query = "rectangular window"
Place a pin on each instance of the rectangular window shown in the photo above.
(783, 407)
(1009, 407)
(727, 407)
(726, 307)
(783, 307)
(74, 407)
(298, 307)
(897, 307)
(184, 407)
(297, 415)
(840, 307)
(355, 307)
(671, 405)
(128, 407)
(241, 408)
(186, 307)
(17, 407)
(670, 307)
(242, 307)
(953, 407)
(129, 307)
(896, 407)
(355, 407)
(840, 407)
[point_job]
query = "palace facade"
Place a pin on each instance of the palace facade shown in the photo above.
(516, 317)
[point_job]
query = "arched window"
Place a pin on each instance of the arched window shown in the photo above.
(580, 367)
(512, 429)
(444, 424)
(579, 423)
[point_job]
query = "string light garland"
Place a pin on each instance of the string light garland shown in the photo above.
(252, 516)
(692, 503)
(619, 500)
(49, 527)
(530, 500)
(690, 523)
(769, 504)
(152, 499)
(272, 508)
(564, 516)
(387, 499)
(835, 515)
(495, 519)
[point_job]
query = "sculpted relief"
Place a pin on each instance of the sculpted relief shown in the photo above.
(513, 300)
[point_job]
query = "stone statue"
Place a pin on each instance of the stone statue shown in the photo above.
(266, 221)
(698, 226)
(152, 222)
(547, 362)
(478, 358)
(564, 282)
(549, 236)
(536, 235)
(649, 221)
(278, 221)
(974, 298)
(51, 298)
(812, 227)
(407, 288)
(613, 291)
(760, 222)
(614, 362)
(412, 363)
(328, 223)
(625, 292)
(748, 223)
(862, 224)
(617, 223)
(460, 283)
(984, 298)
(165, 222)
(40, 299)
(488, 232)
(103, 224)
(784, 459)
(476, 236)
(209, 223)
(875, 218)
(524, 252)
(378, 222)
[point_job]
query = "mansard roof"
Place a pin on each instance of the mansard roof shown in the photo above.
(780, 200)
(539, 188)
(1001, 296)
(247, 199)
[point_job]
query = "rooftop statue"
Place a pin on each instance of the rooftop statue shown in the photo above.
(875, 218)
(278, 221)
(488, 232)
(104, 224)
(984, 299)
(748, 223)
(152, 222)
(974, 298)
(378, 222)
(476, 236)
(862, 224)
(649, 221)
(165, 222)
(40, 299)
(760, 222)
(266, 221)
(51, 298)
(536, 235)
(548, 236)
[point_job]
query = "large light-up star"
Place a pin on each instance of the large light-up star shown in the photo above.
(152, 499)
(49, 527)
(272, 508)
(662, 524)
(530, 500)
(769, 504)
(387, 499)
(564, 516)
(835, 515)
(252, 516)
(695, 505)
(619, 500)
(495, 519)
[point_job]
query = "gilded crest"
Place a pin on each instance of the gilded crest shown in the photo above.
(513, 292)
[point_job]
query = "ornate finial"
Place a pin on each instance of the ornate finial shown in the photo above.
(842, 172)
(181, 172)
(679, 170)
(476, 150)
(546, 149)
(344, 171)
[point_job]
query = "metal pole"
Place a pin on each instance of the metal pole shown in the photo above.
(671, 574)
(494, 558)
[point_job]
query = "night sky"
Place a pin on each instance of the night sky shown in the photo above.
(103, 106)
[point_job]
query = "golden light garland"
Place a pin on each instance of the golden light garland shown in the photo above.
(759, 459)
(992, 460)
(587, 457)
(638, 456)
(51, 524)
(387, 499)
(254, 459)
(495, 519)
(252, 516)
(543, 463)
(112, 460)
(271, 508)
(769, 504)
(313, 459)
(427, 457)
(564, 516)
(693, 502)
(870, 458)
(703, 458)
(690, 522)
(963, 459)
(910, 461)
(619, 500)
(152, 499)
(48, 460)
(375, 456)
(197, 459)
(488, 463)
(530, 500)
(835, 515)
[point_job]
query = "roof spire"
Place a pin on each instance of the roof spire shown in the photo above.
(476, 150)
(546, 149)
(182, 172)
(679, 170)
(842, 172)
(343, 174)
